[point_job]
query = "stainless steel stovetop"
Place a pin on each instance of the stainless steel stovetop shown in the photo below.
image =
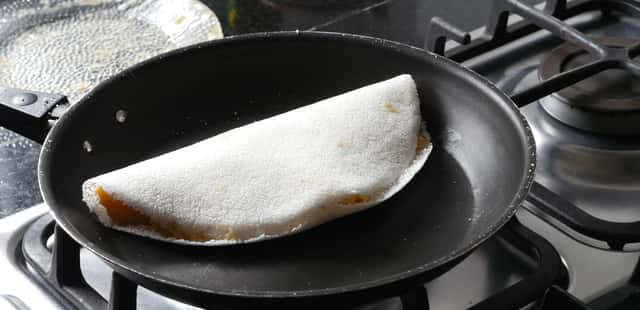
(599, 172)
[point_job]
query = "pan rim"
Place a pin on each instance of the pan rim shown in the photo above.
(411, 275)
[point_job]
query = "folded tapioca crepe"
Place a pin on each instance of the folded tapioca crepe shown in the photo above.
(274, 177)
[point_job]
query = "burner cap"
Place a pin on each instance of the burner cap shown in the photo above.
(608, 102)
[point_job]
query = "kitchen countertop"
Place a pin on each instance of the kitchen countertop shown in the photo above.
(402, 20)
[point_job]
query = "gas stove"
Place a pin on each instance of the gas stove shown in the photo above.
(572, 245)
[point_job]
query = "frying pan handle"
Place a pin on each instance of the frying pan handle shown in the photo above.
(29, 113)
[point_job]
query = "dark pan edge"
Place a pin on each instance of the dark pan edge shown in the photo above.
(410, 276)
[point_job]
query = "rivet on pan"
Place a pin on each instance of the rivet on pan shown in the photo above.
(121, 116)
(86, 145)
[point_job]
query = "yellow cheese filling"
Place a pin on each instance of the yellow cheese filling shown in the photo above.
(123, 215)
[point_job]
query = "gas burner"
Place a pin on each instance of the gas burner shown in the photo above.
(593, 171)
(608, 102)
(588, 150)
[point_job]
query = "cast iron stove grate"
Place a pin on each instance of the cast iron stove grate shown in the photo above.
(605, 54)
(59, 270)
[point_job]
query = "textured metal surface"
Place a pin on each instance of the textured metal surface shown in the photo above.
(18, 173)
(69, 46)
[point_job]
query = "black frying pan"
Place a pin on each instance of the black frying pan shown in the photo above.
(478, 174)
